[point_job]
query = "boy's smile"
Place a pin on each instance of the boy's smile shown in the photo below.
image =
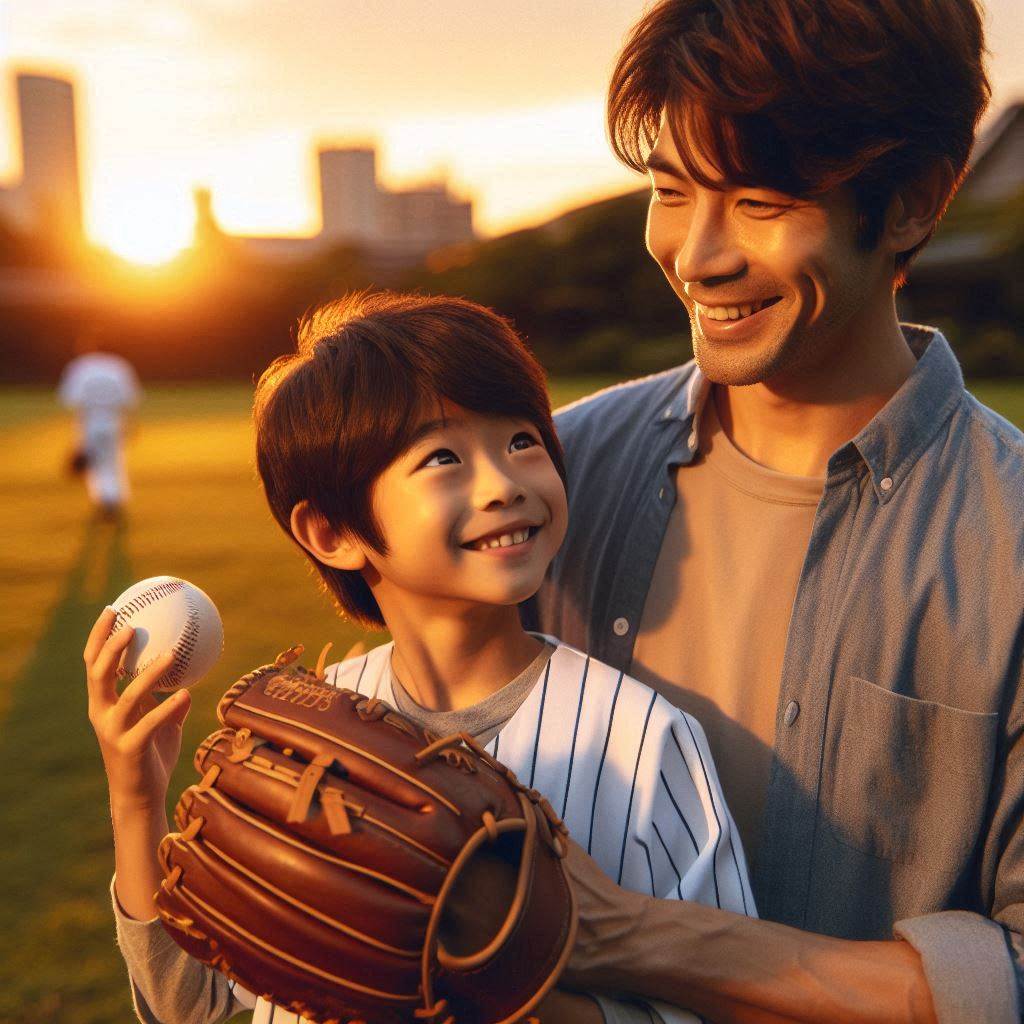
(510, 535)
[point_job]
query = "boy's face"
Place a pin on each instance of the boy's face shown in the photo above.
(773, 285)
(472, 513)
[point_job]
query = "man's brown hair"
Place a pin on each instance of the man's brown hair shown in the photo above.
(333, 415)
(804, 96)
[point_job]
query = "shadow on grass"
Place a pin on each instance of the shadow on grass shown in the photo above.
(58, 961)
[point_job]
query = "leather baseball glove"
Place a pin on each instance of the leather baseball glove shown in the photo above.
(352, 867)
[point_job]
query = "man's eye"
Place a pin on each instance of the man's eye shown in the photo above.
(521, 442)
(667, 195)
(762, 205)
(442, 457)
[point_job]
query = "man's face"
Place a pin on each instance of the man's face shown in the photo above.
(774, 285)
(471, 514)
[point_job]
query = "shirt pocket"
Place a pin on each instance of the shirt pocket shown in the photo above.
(905, 779)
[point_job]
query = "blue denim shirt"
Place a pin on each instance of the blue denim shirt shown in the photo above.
(896, 794)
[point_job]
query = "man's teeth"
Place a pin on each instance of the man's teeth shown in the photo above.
(732, 312)
(506, 540)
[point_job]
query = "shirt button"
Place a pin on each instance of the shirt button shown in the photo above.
(792, 711)
(661, 492)
(885, 483)
(691, 441)
(620, 627)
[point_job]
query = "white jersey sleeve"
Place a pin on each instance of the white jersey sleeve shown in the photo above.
(683, 827)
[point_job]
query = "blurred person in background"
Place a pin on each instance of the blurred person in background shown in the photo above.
(102, 389)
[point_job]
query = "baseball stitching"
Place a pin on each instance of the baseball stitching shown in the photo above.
(186, 643)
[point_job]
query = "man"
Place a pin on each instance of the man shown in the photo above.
(812, 538)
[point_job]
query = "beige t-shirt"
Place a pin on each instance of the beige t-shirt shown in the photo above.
(713, 633)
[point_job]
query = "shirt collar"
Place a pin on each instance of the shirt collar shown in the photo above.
(893, 440)
(687, 398)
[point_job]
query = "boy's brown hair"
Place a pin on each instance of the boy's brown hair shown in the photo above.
(804, 96)
(332, 416)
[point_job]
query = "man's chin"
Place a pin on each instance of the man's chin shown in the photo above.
(737, 365)
(742, 364)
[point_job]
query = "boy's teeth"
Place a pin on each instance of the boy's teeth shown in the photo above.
(506, 540)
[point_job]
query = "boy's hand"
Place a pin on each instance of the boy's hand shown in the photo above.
(139, 738)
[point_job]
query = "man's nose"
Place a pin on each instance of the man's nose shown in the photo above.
(707, 249)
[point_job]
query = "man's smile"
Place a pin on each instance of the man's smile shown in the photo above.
(737, 310)
(734, 323)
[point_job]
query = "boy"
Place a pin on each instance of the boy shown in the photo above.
(408, 448)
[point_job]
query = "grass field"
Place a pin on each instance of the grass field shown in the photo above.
(198, 513)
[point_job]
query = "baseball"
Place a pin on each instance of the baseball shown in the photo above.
(169, 614)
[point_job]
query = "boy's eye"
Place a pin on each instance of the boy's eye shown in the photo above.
(442, 457)
(521, 442)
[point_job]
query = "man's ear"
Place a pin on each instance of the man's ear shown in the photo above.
(916, 207)
(326, 544)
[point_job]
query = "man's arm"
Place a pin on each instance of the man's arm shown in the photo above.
(728, 967)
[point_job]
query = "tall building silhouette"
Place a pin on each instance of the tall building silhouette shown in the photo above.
(348, 194)
(408, 222)
(393, 229)
(48, 197)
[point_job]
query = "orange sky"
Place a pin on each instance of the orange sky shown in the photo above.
(233, 94)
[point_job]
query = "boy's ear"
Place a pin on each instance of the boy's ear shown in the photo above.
(326, 544)
(915, 208)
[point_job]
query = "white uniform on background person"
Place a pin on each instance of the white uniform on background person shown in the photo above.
(101, 387)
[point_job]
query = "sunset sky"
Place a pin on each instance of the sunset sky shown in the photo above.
(235, 94)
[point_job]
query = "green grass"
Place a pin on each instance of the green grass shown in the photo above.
(1005, 396)
(198, 513)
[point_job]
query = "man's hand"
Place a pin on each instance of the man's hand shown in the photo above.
(608, 916)
(728, 967)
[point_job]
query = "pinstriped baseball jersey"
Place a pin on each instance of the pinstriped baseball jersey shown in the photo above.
(630, 774)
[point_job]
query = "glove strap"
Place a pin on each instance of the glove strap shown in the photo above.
(333, 802)
(307, 787)
(489, 832)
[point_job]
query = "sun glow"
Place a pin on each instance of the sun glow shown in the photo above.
(144, 230)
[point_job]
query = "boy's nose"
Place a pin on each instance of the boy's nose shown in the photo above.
(495, 489)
